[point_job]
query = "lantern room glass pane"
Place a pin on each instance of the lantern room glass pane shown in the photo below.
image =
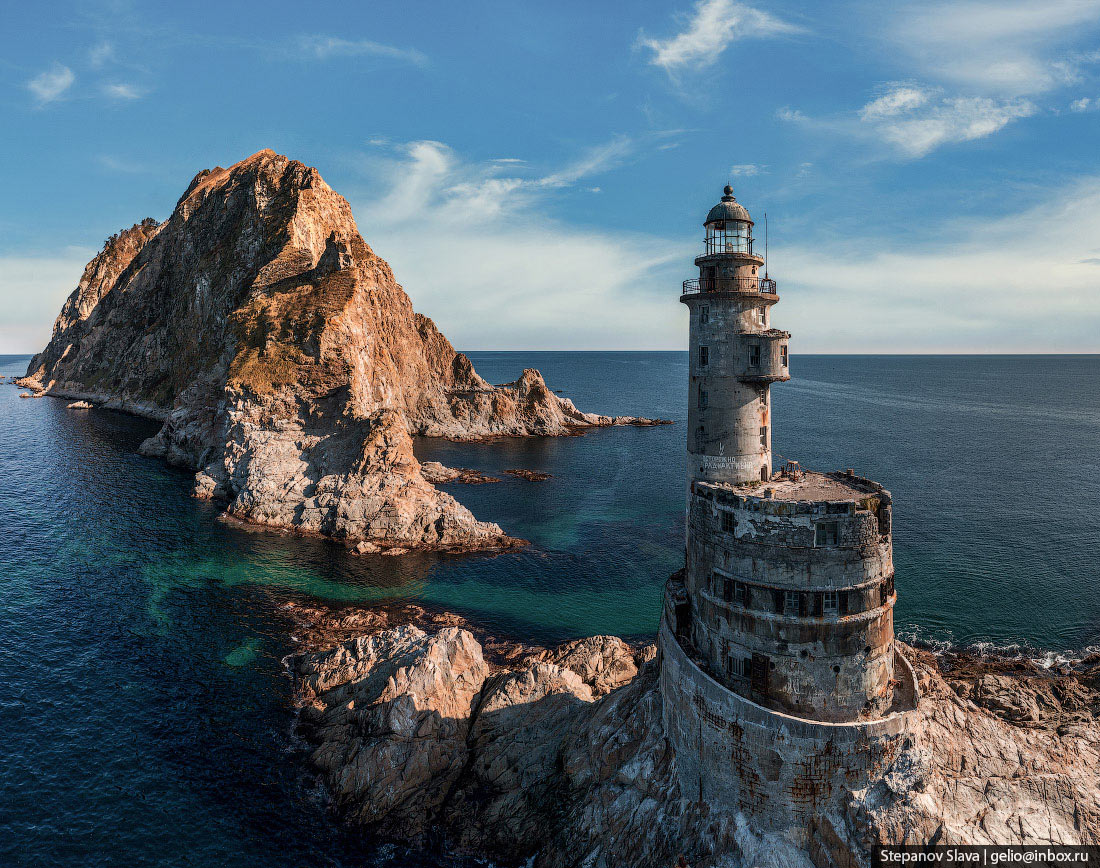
(729, 237)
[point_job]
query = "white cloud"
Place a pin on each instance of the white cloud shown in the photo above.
(747, 170)
(1084, 104)
(713, 25)
(915, 120)
(1003, 47)
(916, 124)
(898, 100)
(478, 252)
(325, 47)
(592, 162)
(123, 91)
(101, 54)
(959, 292)
(52, 83)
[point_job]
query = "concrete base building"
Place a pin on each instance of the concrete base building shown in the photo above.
(780, 679)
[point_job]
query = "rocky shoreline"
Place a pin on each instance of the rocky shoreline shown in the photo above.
(430, 731)
(287, 365)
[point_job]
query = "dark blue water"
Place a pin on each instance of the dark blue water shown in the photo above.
(145, 712)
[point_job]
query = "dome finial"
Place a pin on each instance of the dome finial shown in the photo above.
(728, 191)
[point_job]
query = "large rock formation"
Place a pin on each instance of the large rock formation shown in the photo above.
(285, 361)
(557, 758)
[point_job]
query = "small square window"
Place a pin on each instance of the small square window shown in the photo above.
(763, 397)
(762, 315)
(727, 590)
(754, 355)
(791, 603)
(704, 314)
(740, 594)
(727, 521)
(783, 355)
(830, 605)
(764, 436)
(826, 534)
(704, 399)
(704, 356)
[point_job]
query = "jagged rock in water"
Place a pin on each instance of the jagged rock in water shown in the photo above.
(285, 361)
(438, 474)
(529, 764)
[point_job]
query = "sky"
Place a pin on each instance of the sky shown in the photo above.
(537, 174)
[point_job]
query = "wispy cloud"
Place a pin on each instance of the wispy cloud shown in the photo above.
(711, 28)
(123, 91)
(432, 171)
(51, 84)
(100, 54)
(958, 292)
(1006, 47)
(326, 47)
(122, 165)
(515, 276)
(898, 100)
(1085, 104)
(747, 170)
(915, 120)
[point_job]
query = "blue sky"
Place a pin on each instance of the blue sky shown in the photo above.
(536, 173)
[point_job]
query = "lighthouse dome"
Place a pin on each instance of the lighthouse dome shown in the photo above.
(728, 209)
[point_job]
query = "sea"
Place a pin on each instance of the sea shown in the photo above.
(146, 713)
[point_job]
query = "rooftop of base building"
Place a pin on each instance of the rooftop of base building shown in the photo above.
(796, 485)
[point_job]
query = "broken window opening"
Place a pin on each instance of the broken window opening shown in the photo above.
(826, 533)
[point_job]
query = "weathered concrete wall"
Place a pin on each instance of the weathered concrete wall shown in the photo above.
(729, 408)
(780, 770)
(791, 623)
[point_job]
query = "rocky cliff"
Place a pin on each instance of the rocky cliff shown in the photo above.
(557, 757)
(285, 361)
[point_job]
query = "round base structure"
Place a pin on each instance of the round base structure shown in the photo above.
(781, 771)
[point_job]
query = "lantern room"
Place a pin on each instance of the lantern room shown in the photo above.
(729, 227)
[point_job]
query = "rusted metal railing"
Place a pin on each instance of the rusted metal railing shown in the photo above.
(730, 284)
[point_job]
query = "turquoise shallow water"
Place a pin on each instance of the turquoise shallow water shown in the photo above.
(146, 713)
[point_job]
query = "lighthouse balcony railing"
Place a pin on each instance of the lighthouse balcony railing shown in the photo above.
(763, 285)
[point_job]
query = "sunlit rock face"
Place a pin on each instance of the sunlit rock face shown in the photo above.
(285, 361)
(559, 757)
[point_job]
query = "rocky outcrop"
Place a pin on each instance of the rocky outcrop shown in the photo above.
(557, 757)
(286, 363)
(438, 474)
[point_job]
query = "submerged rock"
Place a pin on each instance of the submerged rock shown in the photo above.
(557, 757)
(438, 474)
(286, 363)
(529, 475)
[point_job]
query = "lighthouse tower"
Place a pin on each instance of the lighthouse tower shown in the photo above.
(780, 680)
(735, 354)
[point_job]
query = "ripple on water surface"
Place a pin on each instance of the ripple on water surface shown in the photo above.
(145, 709)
